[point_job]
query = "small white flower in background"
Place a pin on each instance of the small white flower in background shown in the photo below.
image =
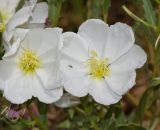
(7, 10)
(31, 15)
(100, 60)
(67, 100)
(33, 70)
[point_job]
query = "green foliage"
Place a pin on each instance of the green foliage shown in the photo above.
(149, 97)
(97, 117)
(149, 12)
(54, 11)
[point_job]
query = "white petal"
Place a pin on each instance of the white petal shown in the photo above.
(49, 75)
(78, 86)
(6, 69)
(67, 100)
(43, 40)
(74, 76)
(102, 93)
(20, 18)
(7, 8)
(121, 82)
(30, 3)
(75, 81)
(40, 13)
(119, 40)
(18, 92)
(95, 32)
(44, 95)
(74, 47)
(13, 43)
(133, 59)
(2, 84)
(12, 4)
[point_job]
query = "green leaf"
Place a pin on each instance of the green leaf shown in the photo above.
(65, 124)
(106, 6)
(149, 12)
(149, 96)
(131, 127)
(43, 108)
(54, 11)
(27, 123)
(71, 113)
(155, 81)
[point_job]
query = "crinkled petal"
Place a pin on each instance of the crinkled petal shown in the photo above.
(133, 59)
(95, 32)
(13, 43)
(40, 13)
(102, 93)
(30, 3)
(20, 18)
(18, 92)
(45, 95)
(121, 82)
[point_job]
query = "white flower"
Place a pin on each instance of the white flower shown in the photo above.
(100, 60)
(7, 10)
(31, 15)
(67, 100)
(33, 70)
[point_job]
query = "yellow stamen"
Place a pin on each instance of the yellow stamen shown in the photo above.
(29, 62)
(98, 68)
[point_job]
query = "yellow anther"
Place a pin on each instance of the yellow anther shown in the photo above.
(98, 68)
(29, 62)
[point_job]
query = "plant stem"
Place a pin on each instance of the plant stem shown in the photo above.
(136, 18)
(37, 120)
(156, 121)
(135, 102)
(80, 110)
(157, 41)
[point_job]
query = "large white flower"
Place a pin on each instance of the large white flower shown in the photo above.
(33, 70)
(100, 60)
(31, 15)
(7, 10)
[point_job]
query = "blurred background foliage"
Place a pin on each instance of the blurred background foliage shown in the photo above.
(138, 110)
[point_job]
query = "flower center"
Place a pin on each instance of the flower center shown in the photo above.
(29, 62)
(98, 68)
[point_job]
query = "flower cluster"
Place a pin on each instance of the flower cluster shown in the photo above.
(98, 60)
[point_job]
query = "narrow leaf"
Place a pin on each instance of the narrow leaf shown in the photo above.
(149, 12)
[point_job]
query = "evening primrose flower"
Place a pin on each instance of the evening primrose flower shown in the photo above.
(7, 10)
(31, 15)
(100, 60)
(33, 70)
